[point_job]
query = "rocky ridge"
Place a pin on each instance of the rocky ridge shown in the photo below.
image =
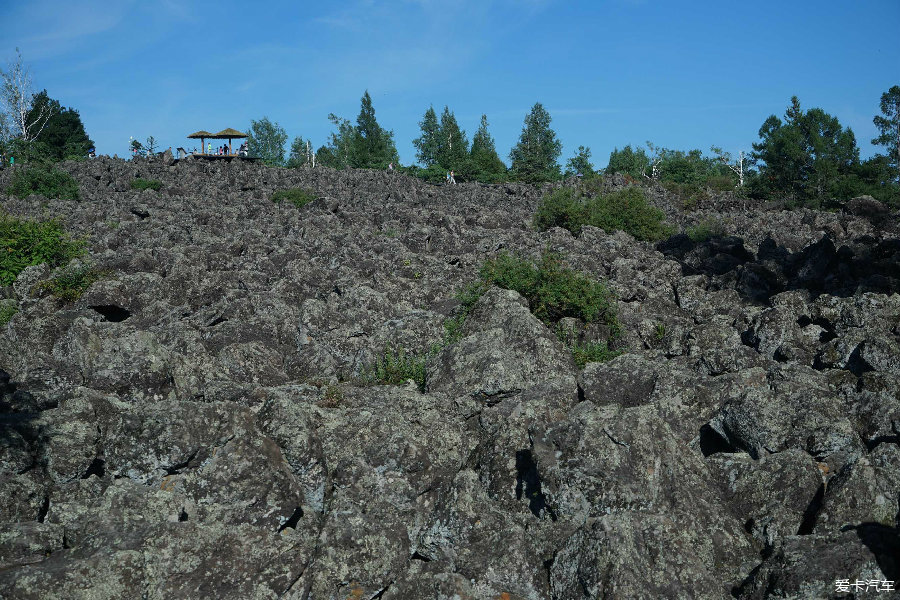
(196, 424)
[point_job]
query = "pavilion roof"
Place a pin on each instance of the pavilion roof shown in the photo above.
(200, 134)
(227, 134)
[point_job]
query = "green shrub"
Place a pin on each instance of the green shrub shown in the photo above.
(7, 310)
(395, 367)
(70, 284)
(146, 184)
(562, 207)
(46, 181)
(26, 243)
(626, 210)
(297, 196)
(706, 229)
(553, 290)
(690, 194)
(721, 183)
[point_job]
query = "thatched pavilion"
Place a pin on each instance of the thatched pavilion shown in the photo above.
(226, 134)
(201, 135)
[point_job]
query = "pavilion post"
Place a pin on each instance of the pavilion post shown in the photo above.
(229, 146)
(202, 145)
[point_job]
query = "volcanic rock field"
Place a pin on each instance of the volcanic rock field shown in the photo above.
(200, 424)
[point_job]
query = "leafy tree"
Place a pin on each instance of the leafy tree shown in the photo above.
(63, 137)
(428, 143)
(266, 141)
(337, 154)
(580, 164)
(889, 126)
(628, 161)
(484, 161)
(807, 156)
(453, 149)
(373, 147)
(534, 158)
(297, 157)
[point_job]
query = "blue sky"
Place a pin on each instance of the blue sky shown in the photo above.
(611, 72)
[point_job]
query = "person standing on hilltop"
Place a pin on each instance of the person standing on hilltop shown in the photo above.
(452, 178)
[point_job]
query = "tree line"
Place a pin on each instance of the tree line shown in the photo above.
(806, 157)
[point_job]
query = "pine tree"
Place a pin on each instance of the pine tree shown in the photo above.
(428, 143)
(485, 163)
(453, 149)
(373, 147)
(807, 157)
(534, 158)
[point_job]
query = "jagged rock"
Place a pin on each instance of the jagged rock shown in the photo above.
(210, 398)
(504, 350)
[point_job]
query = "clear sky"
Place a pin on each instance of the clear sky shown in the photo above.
(684, 75)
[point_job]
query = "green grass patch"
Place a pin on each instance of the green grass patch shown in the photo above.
(395, 367)
(71, 283)
(25, 243)
(7, 310)
(585, 352)
(146, 184)
(624, 210)
(297, 196)
(46, 181)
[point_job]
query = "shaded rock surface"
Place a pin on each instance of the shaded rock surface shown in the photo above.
(199, 424)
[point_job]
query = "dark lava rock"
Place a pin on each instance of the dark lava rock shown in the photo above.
(202, 422)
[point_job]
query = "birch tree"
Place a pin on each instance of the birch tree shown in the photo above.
(17, 101)
(737, 166)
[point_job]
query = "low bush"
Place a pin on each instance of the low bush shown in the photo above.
(146, 184)
(553, 290)
(25, 243)
(625, 210)
(46, 181)
(71, 283)
(297, 196)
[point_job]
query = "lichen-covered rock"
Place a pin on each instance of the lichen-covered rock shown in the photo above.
(203, 421)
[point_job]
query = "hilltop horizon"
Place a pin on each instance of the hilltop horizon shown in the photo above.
(621, 73)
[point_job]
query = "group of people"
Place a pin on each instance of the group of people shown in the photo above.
(451, 177)
(223, 150)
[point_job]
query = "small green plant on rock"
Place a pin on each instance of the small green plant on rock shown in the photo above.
(46, 181)
(297, 196)
(146, 184)
(7, 310)
(71, 283)
(585, 352)
(659, 332)
(25, 243)
(395, 367)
